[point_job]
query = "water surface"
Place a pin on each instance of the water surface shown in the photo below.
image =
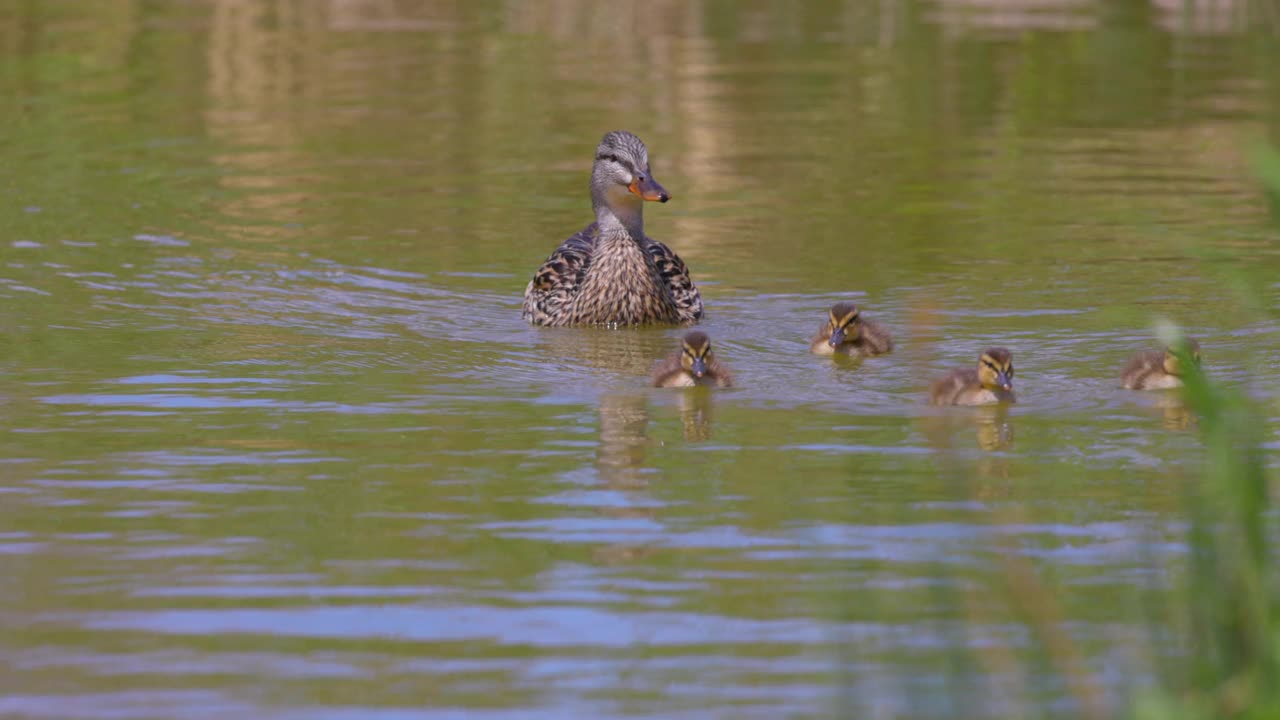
(277, 443)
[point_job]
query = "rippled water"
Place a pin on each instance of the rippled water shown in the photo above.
(277, 443)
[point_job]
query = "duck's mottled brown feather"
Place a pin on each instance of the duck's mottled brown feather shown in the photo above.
(555, 284)
(675, 275)
(554, 296)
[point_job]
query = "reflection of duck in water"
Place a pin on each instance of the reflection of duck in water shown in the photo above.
(990, 382)
(624, 422)
(1156, 370)
(693, 364)
(621, 462)
(846, 332)
(611, 273)
(628, 353)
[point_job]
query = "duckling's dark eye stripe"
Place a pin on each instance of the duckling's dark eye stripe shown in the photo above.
(991, 365)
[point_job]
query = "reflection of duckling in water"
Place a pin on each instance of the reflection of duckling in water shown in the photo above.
(990, 382)
(994, 430)
(1174, 413)
(695, 416)
(1156, 370)
(846, 332)
(989, 424)
(693, 364)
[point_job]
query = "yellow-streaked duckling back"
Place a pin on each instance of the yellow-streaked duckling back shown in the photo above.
(693, 364)
(846, 332)
(1155, 369)
(990, 382)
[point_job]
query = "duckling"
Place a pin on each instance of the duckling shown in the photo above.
(990, 382)
(1155, 369)
(611, 273)
(846, 332)
(694, 364)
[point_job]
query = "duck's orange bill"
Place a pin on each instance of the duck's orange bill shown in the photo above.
(649, 189)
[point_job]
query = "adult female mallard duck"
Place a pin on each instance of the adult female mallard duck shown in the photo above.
(1157, 370)
(990, 382)
(693, 364)
(846, 332)
(611, 273)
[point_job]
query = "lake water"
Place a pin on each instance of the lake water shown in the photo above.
(278, 445)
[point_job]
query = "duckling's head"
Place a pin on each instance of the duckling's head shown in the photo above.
(995, 369)
(621, 174)
(842, 323)
(1173, 365)
(695, 352)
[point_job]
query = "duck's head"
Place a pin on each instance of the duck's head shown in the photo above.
(695, 353)
(1173, 365)
(995, 369)
(843, 325)
(621, 175)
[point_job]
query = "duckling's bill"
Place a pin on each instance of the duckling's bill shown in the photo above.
(837, 337)
(699, 367)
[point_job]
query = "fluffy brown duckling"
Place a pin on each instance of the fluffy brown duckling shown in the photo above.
(693, 364)
(1156, 369)
(990, 382)
(846, 332)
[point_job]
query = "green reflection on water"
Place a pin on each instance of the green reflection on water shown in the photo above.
(265, 363)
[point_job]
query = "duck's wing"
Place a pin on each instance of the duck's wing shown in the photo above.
(556, 283)
(675, 275)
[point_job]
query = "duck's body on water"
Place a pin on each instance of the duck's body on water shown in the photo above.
(611, 273)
